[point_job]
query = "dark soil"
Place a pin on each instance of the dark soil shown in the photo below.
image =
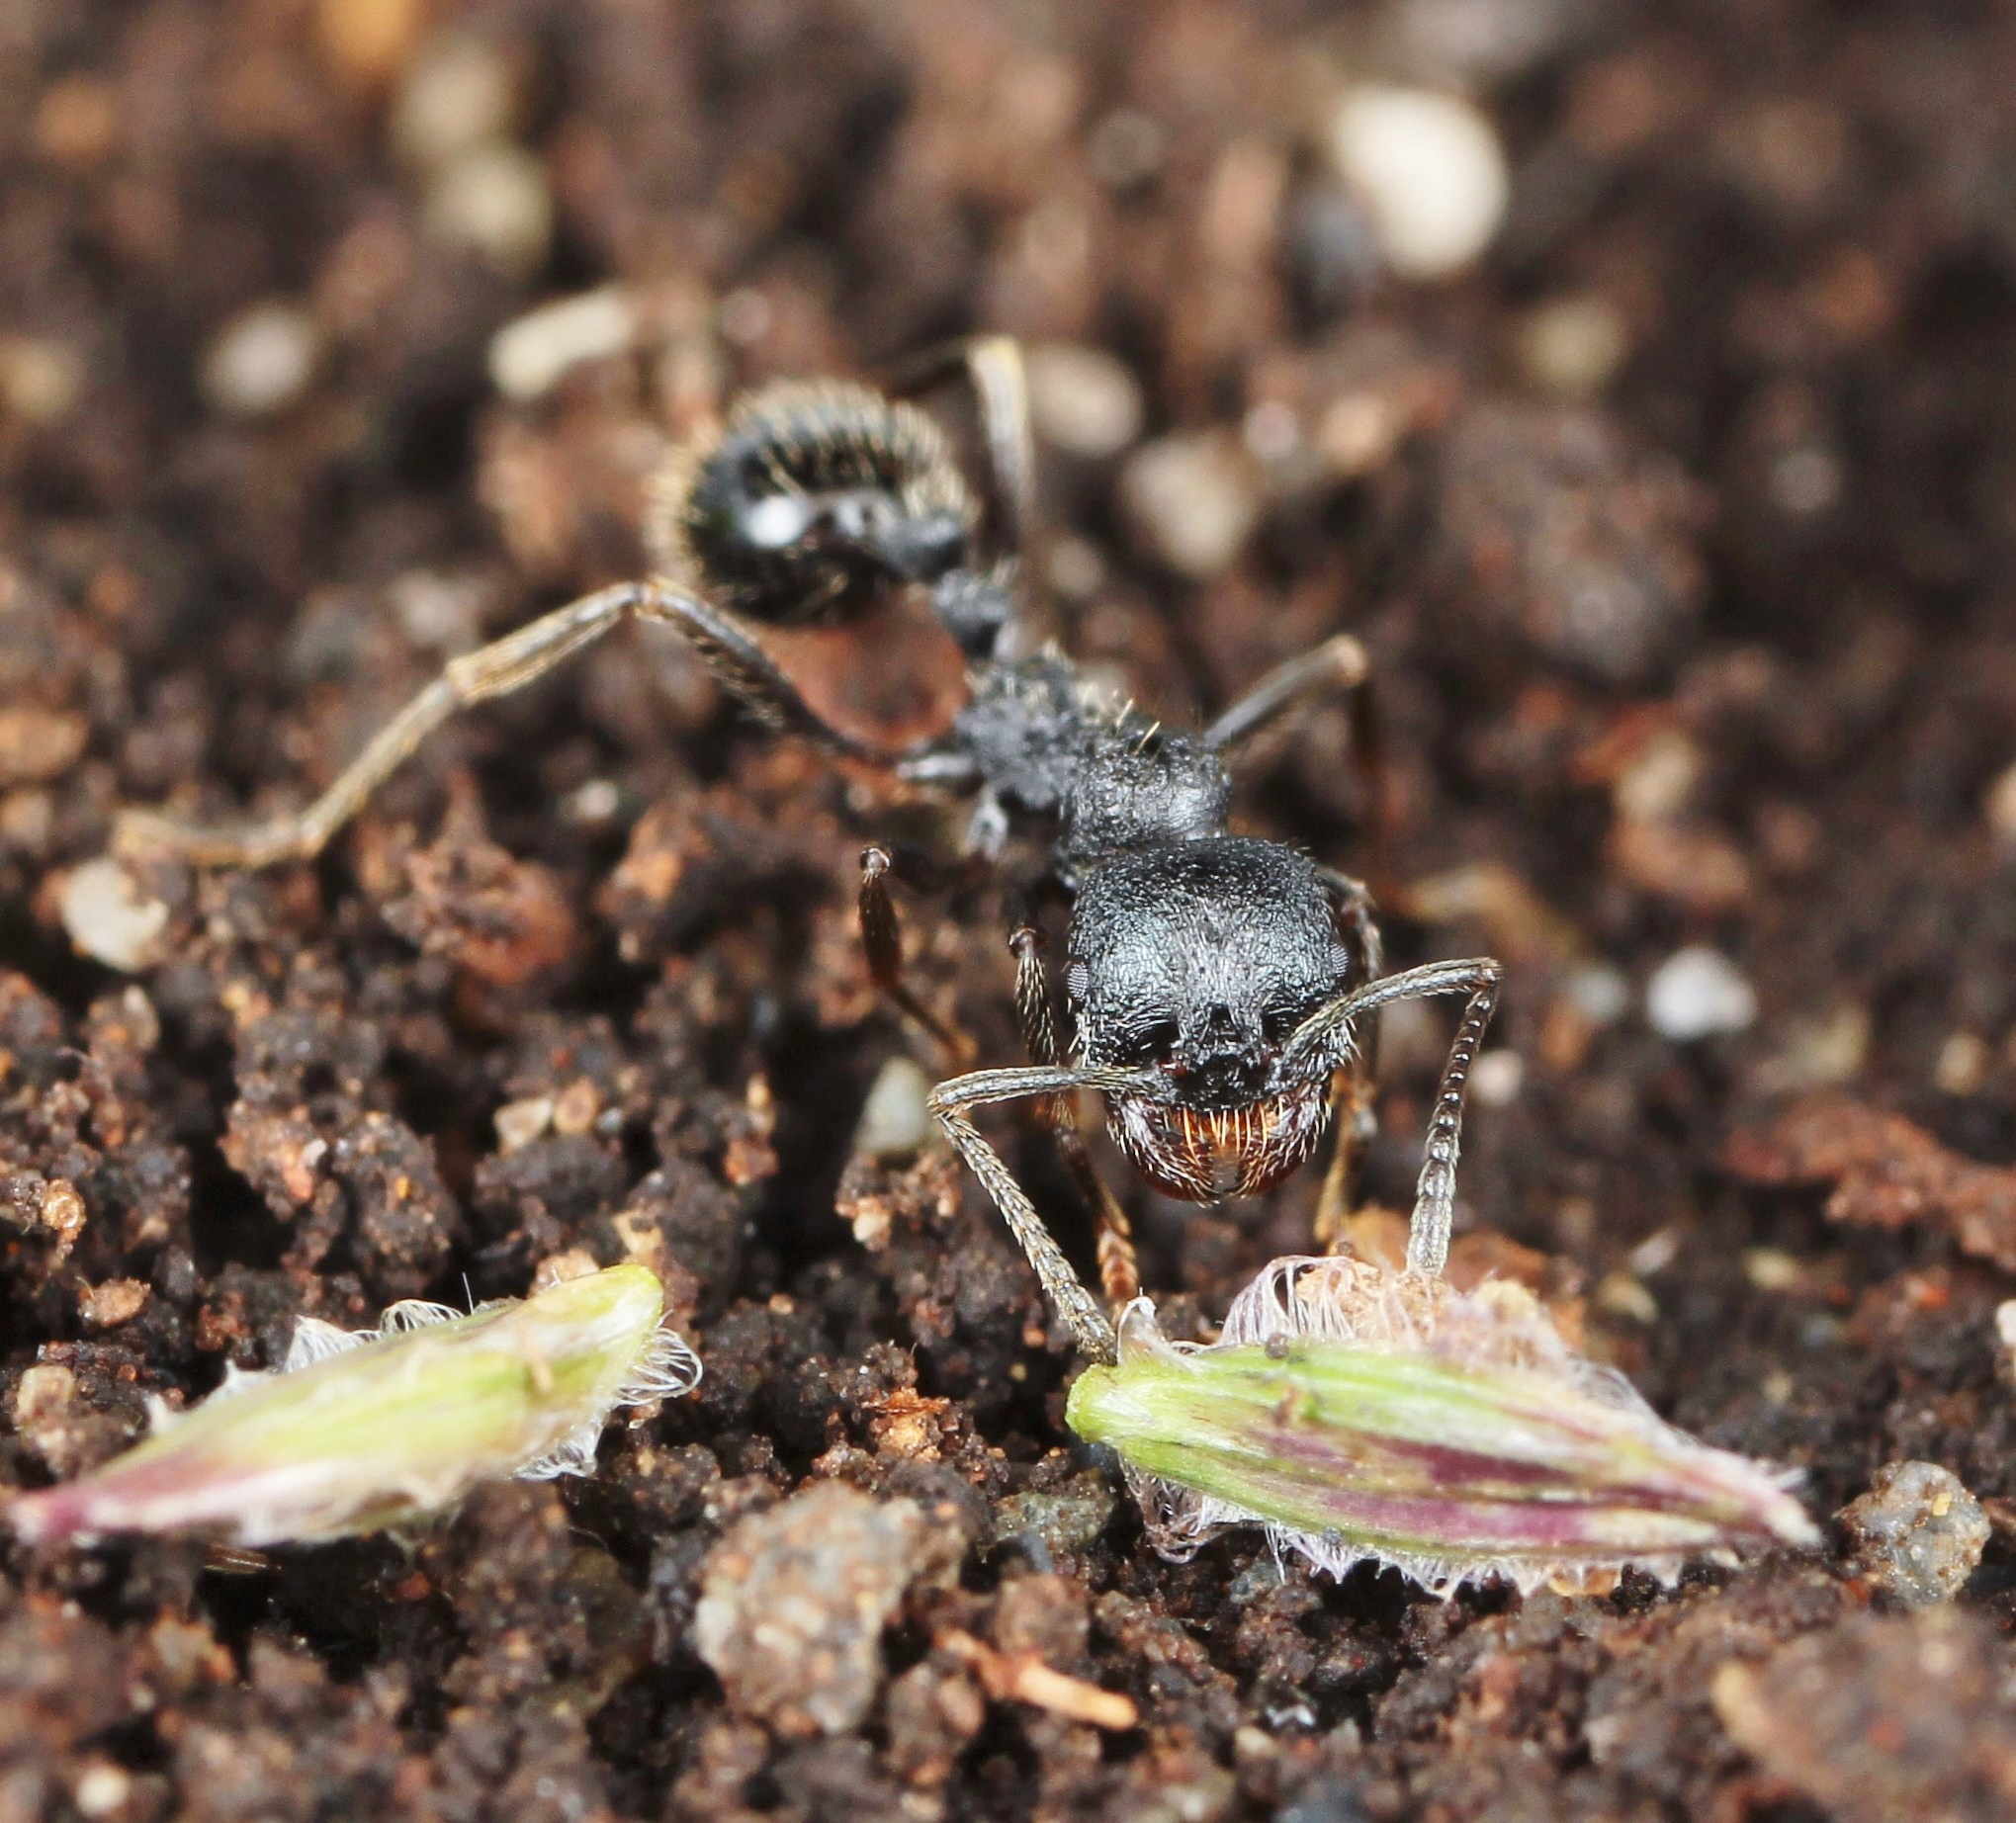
(1720, 652)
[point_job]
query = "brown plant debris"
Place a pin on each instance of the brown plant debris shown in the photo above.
(1886, 1172)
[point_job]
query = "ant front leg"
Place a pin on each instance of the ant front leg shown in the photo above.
(1324, 1044)
(882, 943)
(1351, 1088)
(1119, 1267)
(497, 670)
(1338, 663)
(949, 1103)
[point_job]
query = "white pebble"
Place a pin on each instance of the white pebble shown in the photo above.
(493, 199)
(41, 378)
(1191, 499)
(457, 94)
(1083, 400)
(895, 1123)
(1429, 171)
(1573, 345)
(261, 361)
(106, 919)
(2005, 1327)
(529, 355)
(1697, 993)
(1598, 992)
(103, 1789)
(1496, 1077)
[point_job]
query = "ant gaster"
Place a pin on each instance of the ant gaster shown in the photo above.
(1218, 986)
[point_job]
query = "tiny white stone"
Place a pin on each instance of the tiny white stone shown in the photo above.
(455, 95)
(1497, 1076)
(529, 355)
(1598, 992)
(2005, 1326)
(1082, 400)
(106, 919)
(1573, 345)
(1429, 171)
(261, 361)
(41, 378)
(493, 199)
(1697, 992)
(895, 1123)
(103, 1789)
(1193, 500)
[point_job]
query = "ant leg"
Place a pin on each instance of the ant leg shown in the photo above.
(882, 940)
(1340, 663)
(1119, 1269)
(1351, 1111)
(993, 366)
(493, 671)
(1351, 1088)
(950, 1102)
(1324, 1044)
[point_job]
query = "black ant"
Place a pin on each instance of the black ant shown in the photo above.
(1217, 983)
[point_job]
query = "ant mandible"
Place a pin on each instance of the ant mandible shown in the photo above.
(1217, 983)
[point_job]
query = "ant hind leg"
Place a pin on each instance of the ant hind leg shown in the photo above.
(497, 670)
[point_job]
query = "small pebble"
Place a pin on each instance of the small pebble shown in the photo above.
(1916, 1534)
(107, 919)
(117, 1301)
(1430, 170)
(528, 356)
(103, 1788)
(1497, 1076)
(895, 1123)
(1698, 993)
(455, 95)
(1572, 346)
(1598, 992)
(260, 362)
(519, 1123)
(1083, 400)
(1070, 1518)
(494, 201)
(1192, 502)
(1962, 1065)
(41, 378)
(793, 1602)
(38, 744)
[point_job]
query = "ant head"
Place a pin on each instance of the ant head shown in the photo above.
(813, 501)
(1200, 961)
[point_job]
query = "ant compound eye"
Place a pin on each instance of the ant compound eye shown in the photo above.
(1077, 983)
